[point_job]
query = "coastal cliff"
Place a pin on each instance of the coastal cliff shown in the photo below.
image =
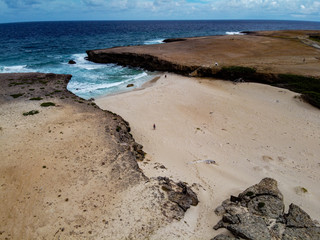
(288, 59)
(70, 170)
(276, 52)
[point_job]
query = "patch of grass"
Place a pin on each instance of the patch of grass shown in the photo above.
(17, 95)
(236, 72)
(249, 194)
(32, 112)
(312, 97)
(16, 83)
(309, 87)
(36, 99)
(47, 104)
(315, 38)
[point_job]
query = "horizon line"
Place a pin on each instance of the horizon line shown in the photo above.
(159, 20)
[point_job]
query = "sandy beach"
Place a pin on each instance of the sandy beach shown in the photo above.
(248, 131)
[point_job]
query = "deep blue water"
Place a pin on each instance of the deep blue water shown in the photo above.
(48, 46)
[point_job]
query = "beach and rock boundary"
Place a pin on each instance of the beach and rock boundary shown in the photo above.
(288, 59)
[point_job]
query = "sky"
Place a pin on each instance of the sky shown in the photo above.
(58, 10)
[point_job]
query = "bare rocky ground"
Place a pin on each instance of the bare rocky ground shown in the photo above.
(69, 170)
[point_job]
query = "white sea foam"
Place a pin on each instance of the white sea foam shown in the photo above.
(153, 41)
(85, 88)
(234, 33)
(81, 62)
(17, 68)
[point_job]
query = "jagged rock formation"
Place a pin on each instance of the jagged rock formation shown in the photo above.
(258, 213)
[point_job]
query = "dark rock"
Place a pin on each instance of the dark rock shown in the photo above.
(174, 40)
(268, 206)
(258, 213)
(179, 193)
(234, 199)
(301, 233)
(130, 85)
(232, 219)
(250, 227)
(71, 62)
(266, 186)
(223, 237)
(298, 218)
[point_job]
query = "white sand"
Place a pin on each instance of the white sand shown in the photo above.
(251, 130)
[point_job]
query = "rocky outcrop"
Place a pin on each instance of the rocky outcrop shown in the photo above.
(148, 62)
(179, 193)
(168, 40)
(258, 213)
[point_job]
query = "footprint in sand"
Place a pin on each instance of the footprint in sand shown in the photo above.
(267, 158)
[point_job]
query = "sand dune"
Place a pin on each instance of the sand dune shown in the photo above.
(249, 130)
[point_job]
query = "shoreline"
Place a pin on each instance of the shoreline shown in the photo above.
(250, 130)
(69, 169)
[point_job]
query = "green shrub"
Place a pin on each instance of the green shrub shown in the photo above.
(299, 83)
(17, 95)
(261, 204)
(312, 97)
(236, 72)
(47, 104)
(249, 194)
(36, 99)
(315, 38)
(32, 112)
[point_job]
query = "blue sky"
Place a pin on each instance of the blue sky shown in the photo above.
(52, 10)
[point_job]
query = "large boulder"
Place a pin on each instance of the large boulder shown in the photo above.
(258, 213)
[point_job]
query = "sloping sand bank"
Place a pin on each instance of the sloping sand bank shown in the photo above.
(69, 171)
(249, 131)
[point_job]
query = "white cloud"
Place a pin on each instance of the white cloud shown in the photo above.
(165, 9)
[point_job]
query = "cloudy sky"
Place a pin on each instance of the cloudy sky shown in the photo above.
(52, 10)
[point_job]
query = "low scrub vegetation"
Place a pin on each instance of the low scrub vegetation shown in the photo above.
(309, 87)
(17, 95)
(36, 99)
(32, 112)
(47, 104)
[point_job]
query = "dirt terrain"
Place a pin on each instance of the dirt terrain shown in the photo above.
(68, 170)
(268, 52)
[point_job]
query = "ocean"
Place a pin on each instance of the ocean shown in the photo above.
(48, 46)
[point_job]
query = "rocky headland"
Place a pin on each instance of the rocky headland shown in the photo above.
(293, 52)
(69, 170)
(286, 59)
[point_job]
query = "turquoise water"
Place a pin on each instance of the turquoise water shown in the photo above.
(48, 46)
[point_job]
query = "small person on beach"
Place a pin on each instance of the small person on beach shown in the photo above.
(154, 126)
